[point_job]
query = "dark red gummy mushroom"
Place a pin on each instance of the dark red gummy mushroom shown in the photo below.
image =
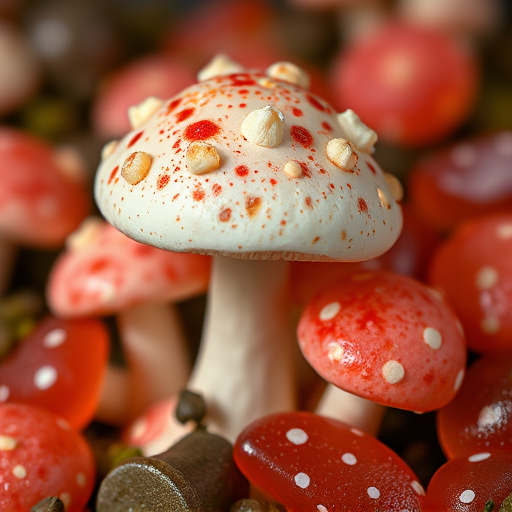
(479, 418)
(309, 462)
(59, 366)
(473, 270)
(463, 181)
(479, 482)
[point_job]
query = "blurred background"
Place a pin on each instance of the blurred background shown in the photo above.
(425, 74)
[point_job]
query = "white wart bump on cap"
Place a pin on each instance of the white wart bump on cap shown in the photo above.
(136, 167)
(202, 158)
(264, 127)
(341, 153)
(293, 169)
(84, 235)
(289, 72)
(139, 114)
(220, 65)
(395, 186)
(356, 131)
(108, 149)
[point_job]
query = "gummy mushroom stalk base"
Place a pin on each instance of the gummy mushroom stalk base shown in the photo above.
(352, 409)
(245, 367)
(149, 376)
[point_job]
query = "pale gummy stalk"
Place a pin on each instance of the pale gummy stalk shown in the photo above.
(245, 367)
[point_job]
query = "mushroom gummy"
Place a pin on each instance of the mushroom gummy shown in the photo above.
(269, 193)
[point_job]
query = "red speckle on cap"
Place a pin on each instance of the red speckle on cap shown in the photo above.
(113, 174)
(370, 166)
(242, 105)
(225, 215)
(273, 181)
(135, 138)
(198, 193)
(315, 240)
(162, 181)
(252, 205)
(242, 79)
(243, 91)
(327, 126)
(216, 189)
(184, 114)
(176, 145)
(361, 205)
(308, 202)
(241, 170)
(98, 265)
(301, 135)
(297, 112)
(173, 105)
(201, 130)
(305, 171)
(316, 103)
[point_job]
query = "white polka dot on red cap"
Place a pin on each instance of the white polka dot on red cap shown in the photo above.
(302, 480)
(393, 372)
(45, 377)
(349, 459)
(432, 337)
(478, 457)
(4, 393)
(373, 492)
(54, 338)
(467, 496)
(297, 436)
(329, 311)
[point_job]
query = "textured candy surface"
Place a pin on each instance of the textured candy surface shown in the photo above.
(385, 337)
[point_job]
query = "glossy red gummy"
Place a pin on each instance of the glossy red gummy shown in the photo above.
(463, 181)
(479, 418)
(41, 456)
(37, 192)
(386, 337)
(60, 367)
(473, 270)
(413, 85)
(309, 462)
(467, 483)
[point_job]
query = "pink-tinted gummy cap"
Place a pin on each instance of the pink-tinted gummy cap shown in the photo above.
(103, 272)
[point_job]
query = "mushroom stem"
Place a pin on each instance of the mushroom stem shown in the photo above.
(245, 366)
(352, 409)
(7, 258)
(114, 401)
(157, 360)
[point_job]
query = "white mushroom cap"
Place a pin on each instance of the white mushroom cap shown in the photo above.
(247, 203)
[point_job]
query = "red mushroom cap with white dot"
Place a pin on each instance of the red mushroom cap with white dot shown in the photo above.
(41, 456)
(40, 187)
(385, 337)
(103, 271)
(310, 462)
(250, 165)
